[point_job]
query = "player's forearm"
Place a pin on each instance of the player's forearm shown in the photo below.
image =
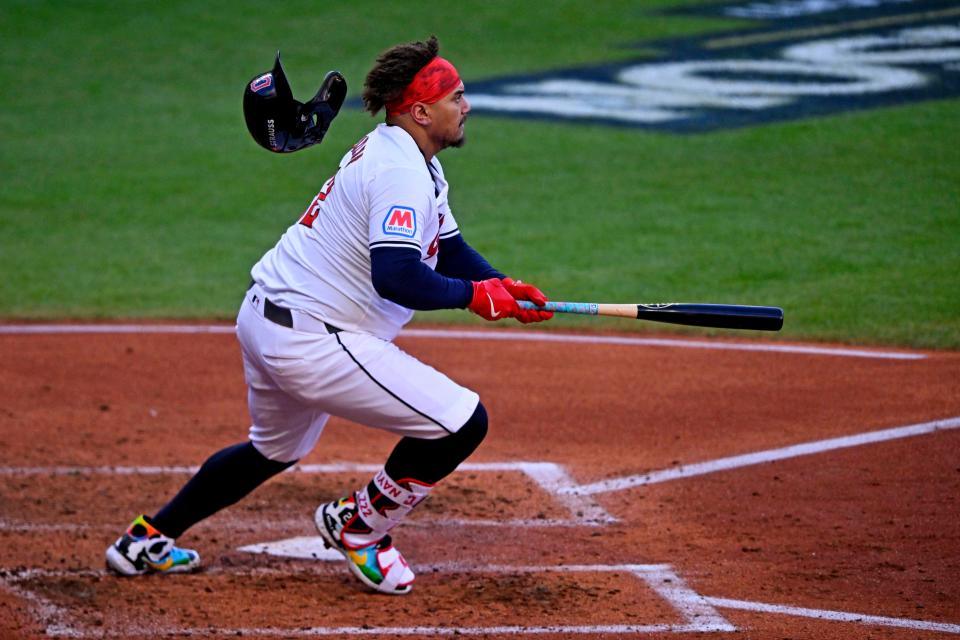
(399, 276)
(457, 259)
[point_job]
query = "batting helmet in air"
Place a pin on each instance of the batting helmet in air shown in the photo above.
(281, 124)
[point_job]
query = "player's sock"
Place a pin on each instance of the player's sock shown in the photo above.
(381, 505)
(430, 461)
(414, 466)
(226, 477)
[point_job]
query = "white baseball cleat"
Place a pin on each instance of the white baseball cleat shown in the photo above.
(143, 549)
(378, 564)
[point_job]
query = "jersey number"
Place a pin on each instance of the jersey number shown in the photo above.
(435, 245)
(314, 209)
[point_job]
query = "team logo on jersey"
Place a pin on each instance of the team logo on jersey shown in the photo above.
(263, 82)
(400, 221)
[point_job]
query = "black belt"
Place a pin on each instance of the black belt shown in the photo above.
(284, 317)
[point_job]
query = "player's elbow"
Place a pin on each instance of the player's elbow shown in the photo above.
(391, 270)
(385, 285)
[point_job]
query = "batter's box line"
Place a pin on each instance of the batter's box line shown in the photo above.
(698, 613)
(525, 335)
(759, 457)
(550, 476)
(554, 479)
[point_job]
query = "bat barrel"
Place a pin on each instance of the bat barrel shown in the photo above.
(720, 316)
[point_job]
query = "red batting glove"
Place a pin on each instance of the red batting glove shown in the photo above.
(492, 301)
(523, 291)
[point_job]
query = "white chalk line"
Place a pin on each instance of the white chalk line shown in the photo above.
(38, 329)
(838, 616)
(420, 632)
(293, 525)
(696, 614)
(699, 612)
(760, 457)
(333, 467)
(552, 477)
(55, 617)
(460, 334)
(542, 336)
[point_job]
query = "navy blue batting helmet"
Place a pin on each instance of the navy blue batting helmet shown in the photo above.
(281, 124)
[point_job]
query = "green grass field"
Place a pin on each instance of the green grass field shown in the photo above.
(131, 189)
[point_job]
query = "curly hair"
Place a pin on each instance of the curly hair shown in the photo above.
(394, 70)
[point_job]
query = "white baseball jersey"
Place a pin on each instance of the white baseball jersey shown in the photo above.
(383, 195)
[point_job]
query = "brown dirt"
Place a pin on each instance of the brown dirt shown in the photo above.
(872, 529)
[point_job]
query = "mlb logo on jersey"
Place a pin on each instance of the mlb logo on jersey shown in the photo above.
(263, 82)
(400, 221)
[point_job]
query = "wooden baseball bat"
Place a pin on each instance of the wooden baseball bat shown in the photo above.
(722, 316)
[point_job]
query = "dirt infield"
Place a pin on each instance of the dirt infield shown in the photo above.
(612, 498)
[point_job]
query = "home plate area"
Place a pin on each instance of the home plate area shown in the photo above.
(654, 592)
(469, 595)
(742, 490)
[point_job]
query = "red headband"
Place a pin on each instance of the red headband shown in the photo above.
(434, 81)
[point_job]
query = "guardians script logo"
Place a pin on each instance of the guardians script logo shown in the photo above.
(809, 57)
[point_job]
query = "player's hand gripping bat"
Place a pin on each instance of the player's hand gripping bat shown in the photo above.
(723, 316)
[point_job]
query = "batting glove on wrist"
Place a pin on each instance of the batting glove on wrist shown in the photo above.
(492, 301)
(523, 291)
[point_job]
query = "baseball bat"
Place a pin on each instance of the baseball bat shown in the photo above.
(721, 316)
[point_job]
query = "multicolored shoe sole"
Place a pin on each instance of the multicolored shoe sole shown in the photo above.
(379, 565)
(143, 549)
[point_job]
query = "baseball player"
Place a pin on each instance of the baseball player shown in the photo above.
(316, 327)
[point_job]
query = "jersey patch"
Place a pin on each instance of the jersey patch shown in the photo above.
(400, 221)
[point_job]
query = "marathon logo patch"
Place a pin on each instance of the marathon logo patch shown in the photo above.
(262, 83)
(400, 221)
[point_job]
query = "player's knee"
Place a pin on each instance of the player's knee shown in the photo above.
(253, 462)
(474, 430)
(430, 461)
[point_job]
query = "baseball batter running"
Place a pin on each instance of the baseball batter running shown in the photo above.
(316, 330)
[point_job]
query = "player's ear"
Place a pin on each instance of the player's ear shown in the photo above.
(420, 113)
